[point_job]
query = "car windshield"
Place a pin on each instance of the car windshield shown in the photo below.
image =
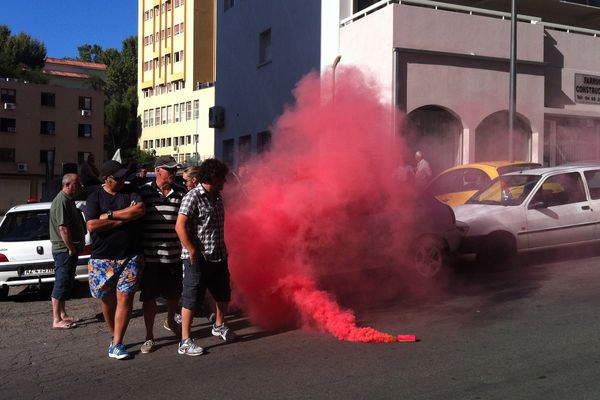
(506, 190)
(25, 226)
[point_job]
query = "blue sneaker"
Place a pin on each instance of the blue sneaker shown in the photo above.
(117, 351)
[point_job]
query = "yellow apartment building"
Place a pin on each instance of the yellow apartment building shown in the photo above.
(47, 129)
(176, 77)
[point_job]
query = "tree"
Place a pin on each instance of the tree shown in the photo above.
(120, 89)
(21, 56)
(90, 53)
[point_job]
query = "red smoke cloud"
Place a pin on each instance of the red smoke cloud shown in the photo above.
(324, 204)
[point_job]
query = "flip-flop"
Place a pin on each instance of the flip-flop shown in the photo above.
(66, 325)
(71, 320)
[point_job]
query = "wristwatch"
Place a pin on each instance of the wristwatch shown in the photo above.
(109, 214)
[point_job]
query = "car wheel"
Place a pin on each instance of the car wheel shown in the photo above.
(430, 257)
(497, 248)
(3, 292)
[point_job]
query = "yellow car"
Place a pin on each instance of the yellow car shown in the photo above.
(456, 185)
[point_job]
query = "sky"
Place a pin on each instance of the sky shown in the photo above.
(65, 25)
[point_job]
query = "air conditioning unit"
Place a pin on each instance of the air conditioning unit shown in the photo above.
(86, 113)
(10, 106)
(21, 167)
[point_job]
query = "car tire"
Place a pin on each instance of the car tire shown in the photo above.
(4, 292)
(497, 248)
(431, 256)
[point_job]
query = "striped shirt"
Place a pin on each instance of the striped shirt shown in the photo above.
(205, 225)
(161, 244)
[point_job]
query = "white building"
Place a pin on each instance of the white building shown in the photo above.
(446, 64)
(176, 77)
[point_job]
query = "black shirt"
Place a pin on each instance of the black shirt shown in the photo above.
(118, 243)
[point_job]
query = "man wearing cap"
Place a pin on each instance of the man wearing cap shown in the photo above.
(162, 249)
(116, 262)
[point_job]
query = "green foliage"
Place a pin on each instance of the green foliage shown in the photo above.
(120, 89)
(142, 156)
(21, 56)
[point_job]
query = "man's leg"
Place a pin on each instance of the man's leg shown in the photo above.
(122, 315)
(149, 307)
(187, 316)
(222, 309)
(172, 309)
(56, 319)
(109, 306)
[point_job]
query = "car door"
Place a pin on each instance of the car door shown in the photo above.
(592, 179)
(559, 212)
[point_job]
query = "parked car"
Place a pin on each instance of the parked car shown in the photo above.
(456, 185)
(533, 209)
(25, 248)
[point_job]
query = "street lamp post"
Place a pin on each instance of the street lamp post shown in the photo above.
(336, 61)
(513, 79)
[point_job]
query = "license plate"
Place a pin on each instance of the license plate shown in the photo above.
(37, 271)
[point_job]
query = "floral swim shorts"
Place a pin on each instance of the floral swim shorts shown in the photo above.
(106, 275)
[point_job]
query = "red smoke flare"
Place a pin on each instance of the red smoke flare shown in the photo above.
(319, 204)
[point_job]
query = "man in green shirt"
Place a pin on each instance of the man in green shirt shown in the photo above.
(67, 234)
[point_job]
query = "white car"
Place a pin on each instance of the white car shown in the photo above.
(26, 251)
(533, 209)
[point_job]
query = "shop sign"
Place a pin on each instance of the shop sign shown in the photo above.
(587, 89)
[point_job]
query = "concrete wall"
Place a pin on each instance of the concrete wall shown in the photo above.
(253, 95)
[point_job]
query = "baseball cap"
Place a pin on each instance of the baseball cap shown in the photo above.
(113, 168)
(165, 162)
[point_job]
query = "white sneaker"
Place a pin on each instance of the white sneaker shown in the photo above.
(189, 348)
(224, 332)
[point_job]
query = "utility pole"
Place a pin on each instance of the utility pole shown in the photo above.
(513, 80)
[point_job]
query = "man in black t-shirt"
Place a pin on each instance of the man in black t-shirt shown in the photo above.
(116, 262)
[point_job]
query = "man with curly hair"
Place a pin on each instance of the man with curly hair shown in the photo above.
(200, 227)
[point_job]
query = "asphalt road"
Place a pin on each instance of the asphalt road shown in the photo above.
(526, 331)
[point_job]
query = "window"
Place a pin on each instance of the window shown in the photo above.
(228, 148)
(561, 189)
(8, 95)
(245, 148)
(82, 156)
(263, 142)
(176, 3)
(145, 118)
(168, 142)
(157, 116)
(188, 111)
(169, 115)
(84, 130)
(181, 111)
(264, 51)
(176, 141)
(162, 142)
(48, 99)
(163, 115)
(44, 156)
(8, 125)
(168, 32)
(228, 4)
(156, 143)
(85, 103)
(593, 181)
(196, 109)
(151, 117)
(176, 108)
(7, 154)
(47, 127)
(188, 139)
(176, 29)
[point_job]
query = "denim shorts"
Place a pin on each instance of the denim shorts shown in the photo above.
(108, 275)
(64, 274)
(213, 276)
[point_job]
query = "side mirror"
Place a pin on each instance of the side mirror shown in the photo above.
(537, 205)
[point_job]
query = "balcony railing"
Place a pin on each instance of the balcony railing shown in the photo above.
(436, 5)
